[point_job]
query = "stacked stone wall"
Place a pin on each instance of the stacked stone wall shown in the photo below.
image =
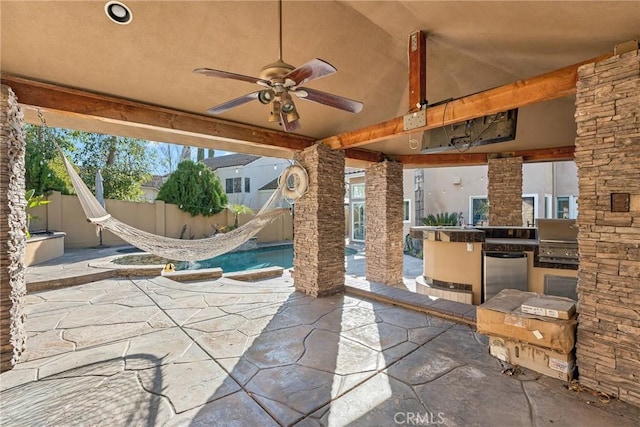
(318, 225)
(383, 222)
(608, 160)
(505, 191)
(13, 224)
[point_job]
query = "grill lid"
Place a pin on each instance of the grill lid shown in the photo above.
(558, 231)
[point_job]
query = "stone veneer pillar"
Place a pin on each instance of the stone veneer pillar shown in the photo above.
(505, 191)
(383, 222)
(319, 224)
(608, 157)
(13, 223)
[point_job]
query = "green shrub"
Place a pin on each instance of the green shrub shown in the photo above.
(441, 219)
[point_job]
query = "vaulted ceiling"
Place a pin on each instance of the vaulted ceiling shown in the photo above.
(471, 47)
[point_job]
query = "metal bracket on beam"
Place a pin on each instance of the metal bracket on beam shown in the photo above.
(415, 120)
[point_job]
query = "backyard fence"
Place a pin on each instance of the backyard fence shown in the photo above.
(64, 213)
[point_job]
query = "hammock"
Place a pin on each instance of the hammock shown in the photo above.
(175, 249)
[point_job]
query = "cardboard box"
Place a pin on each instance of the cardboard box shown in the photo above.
(550, 306)
(541, 360)
(502, 316)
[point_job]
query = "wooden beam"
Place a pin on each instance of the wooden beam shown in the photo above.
(364, 155)
(127, 113)
(474, 159)
(417, 70)
(545, 87)
(547, 154)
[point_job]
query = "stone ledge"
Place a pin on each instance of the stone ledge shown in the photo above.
(65, 282)
(257, 274)
(188, 275)
(450, 310)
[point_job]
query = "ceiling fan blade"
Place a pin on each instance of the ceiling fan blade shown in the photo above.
(289, 126)
(219, 109)
(334, 101)
(312, 70)
(227, 75)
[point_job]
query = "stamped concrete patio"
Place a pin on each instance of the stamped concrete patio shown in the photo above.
(151, 352)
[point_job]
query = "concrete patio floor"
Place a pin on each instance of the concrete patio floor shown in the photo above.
(151, 352)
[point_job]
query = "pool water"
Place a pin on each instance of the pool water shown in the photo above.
(281, 256)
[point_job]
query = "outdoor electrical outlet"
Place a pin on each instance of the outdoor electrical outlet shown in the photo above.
(415, 120)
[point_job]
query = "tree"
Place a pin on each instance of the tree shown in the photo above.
(44, 170)
(125, 163)
(239, 210)
(195, 189)
(170, 155)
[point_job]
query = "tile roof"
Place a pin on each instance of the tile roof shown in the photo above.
(156, 181)
(271, 185)
(229, 160)
(349, 171)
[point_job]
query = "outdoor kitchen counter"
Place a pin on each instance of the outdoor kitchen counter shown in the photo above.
(452, 262)
(453, 258)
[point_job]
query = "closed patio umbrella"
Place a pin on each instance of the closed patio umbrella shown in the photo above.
(100, 197)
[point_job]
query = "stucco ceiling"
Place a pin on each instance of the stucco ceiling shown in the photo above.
(471, 46)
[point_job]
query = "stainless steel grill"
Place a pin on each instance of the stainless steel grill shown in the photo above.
(558, 241)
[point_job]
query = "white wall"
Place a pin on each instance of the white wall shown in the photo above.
(259, 172)
(449, 189)
(407, 183)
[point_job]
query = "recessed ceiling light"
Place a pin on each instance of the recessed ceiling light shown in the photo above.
(118, 12)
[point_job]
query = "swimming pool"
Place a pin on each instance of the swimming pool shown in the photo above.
(281, 255)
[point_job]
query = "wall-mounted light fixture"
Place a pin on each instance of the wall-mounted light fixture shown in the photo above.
(118, 12)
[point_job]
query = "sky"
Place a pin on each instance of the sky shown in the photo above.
(164, 150)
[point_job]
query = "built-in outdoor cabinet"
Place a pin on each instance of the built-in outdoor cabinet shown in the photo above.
(453, 258)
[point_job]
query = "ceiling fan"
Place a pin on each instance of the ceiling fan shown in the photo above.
(281, 80)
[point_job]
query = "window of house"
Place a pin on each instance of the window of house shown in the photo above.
(247, 185)
(358, 221)
(357, 191)
(233, 185)
(478, 210)
(529, 209)
(406, 213)
(566, 207)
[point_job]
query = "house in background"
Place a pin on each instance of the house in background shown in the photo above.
(549, 190)
(243, 175)
(151, 188)
(354, 203)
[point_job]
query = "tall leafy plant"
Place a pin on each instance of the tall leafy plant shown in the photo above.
(44, 171)
(441, 219)
(237, 211)
(33, 201)
(195, 189)
(125, 163)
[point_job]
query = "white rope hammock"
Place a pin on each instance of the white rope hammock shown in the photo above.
(178, 249)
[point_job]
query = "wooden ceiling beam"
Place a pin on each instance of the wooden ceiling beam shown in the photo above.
(412, 161)
(417, 70)
(127, 113)
(545, 87)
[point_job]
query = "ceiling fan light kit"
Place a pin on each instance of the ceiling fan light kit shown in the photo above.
(279, 81)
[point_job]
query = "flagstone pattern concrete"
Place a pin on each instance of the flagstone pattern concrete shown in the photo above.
(128, 352)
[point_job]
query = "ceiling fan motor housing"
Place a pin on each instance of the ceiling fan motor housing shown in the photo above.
(276, 71)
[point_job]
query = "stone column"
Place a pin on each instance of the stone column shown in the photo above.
(13, 223)
(319, 224)
(383, 219)
(608, 157)
(505, 191)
